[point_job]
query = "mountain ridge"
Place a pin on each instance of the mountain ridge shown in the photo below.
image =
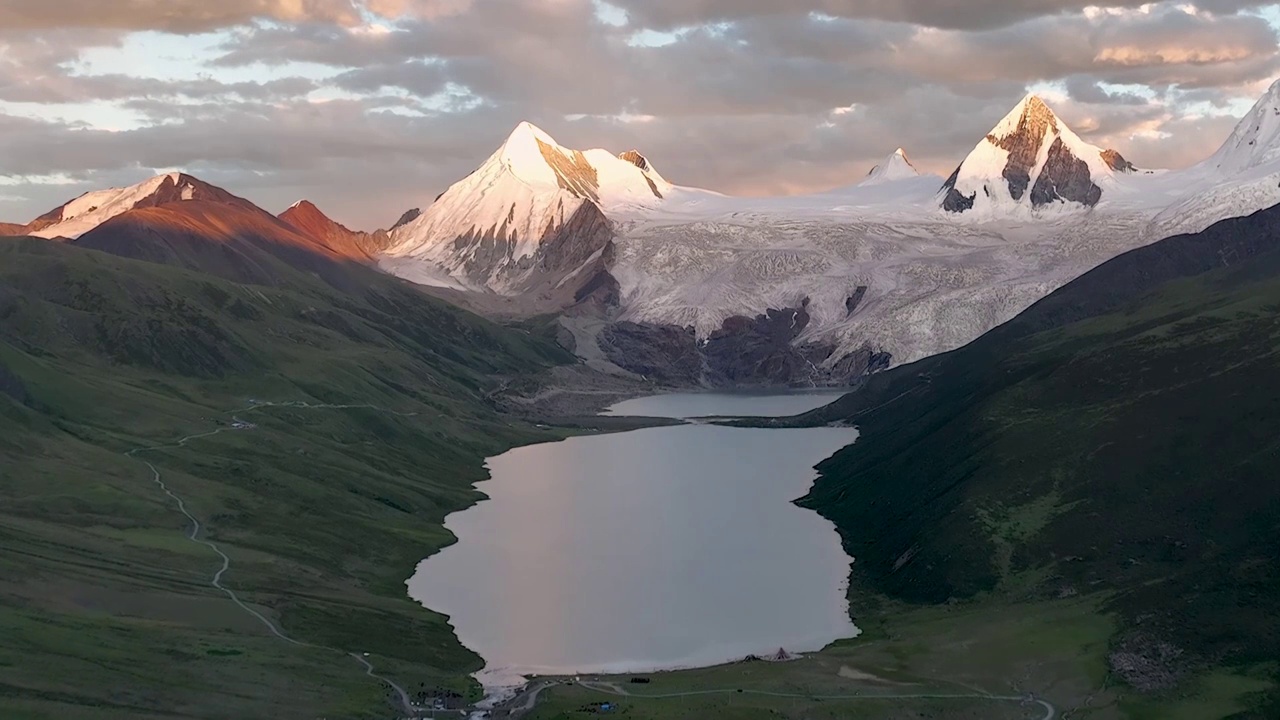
(84, 213)
(305, 217)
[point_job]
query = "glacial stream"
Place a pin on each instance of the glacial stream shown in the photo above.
(652, 549)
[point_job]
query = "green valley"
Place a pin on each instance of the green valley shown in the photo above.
(108, 612)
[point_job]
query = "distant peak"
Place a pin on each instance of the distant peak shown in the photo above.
(1030, 158)
(894, 167)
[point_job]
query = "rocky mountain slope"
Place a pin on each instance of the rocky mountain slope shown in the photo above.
(215, 232)
(306, 218)
(90, 210)
(530, 222)
(1031, 158)
(1115, 440)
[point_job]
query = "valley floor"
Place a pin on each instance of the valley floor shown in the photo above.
(986, 660)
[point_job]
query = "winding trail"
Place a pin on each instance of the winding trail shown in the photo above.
(216, 581)
(617, 690)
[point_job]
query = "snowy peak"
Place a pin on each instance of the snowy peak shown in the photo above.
(534, 218)
(536, 158)
(895, 167)
(90, 210)
(1256, 138)
(609, 180)
(1030, 158)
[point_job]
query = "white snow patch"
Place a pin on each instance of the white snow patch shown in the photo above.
(94, 208)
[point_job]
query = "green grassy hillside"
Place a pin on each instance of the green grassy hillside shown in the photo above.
(105, 607)
(1121, 440)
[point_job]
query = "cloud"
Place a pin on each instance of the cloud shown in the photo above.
(181, 16)
(403, 97)
(952, 14)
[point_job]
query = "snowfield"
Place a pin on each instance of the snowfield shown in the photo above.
(933, 283)
(934, 280)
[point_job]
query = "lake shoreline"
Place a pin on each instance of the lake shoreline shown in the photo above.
(709, 655)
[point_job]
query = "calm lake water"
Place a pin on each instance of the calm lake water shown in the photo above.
(658, 548)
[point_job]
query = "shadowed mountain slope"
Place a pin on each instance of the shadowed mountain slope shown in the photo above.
(1117, 438)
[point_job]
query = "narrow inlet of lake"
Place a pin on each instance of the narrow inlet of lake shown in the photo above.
(653, 549)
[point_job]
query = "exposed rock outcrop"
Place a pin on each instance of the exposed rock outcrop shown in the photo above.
(635, 158)
(852, 302)
(572, 170)
(745, 352)
(569, 265)
(953, 200)
(665, 353)
(408, 217)
(1064, 177)
(1116, 161)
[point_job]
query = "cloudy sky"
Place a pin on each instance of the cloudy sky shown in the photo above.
(369, 107)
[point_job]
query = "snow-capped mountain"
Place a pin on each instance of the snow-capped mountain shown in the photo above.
(1256, 139)
(656, 278)
(1031, 158)
(1242, 177)
(94, 208)
(530, 221)
(891, 169)
(884, 269)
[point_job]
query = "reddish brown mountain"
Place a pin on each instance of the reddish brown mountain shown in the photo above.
(306, 218)
(229, 237)
(7, 229)
(76, 217)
